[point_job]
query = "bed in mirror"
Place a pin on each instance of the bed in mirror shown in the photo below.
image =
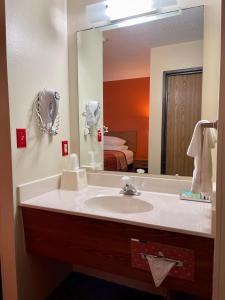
(148, 80)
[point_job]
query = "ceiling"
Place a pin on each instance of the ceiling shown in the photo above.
(127, 50)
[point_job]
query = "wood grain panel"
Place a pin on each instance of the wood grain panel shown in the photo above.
(105, 246)
(183, 112)
(219, 268)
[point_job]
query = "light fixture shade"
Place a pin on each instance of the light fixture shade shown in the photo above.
(102, 13)
(96, 14)
(122, 9)
(142, 19)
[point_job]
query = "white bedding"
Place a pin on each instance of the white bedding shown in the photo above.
(129, 156)
(118, 148)
(114, 141)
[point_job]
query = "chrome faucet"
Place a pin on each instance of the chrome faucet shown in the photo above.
(129, 188)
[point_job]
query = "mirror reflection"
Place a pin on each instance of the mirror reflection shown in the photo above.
(146, 81)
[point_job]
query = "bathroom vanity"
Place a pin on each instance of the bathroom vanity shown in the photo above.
(86, 229)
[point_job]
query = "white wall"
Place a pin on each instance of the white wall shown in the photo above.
(166, 58)
(129, 68)
(76, 21)
(37, 59)
(90, 86)
(211, 62)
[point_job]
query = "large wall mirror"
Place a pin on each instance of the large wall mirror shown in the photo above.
(142, 84)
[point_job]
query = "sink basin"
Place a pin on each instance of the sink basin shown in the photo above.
(119, 204)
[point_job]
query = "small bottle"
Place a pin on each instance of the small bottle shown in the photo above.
(140, 171)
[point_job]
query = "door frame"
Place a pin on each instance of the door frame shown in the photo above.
(166, 75)
(7, 211)
(219, 261)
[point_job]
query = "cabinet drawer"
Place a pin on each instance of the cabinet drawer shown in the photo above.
(184, 270)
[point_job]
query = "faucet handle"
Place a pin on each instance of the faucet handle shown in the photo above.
(126, 180)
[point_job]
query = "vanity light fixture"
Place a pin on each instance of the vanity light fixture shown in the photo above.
(111, 12)
(143, 19)
(123, 9)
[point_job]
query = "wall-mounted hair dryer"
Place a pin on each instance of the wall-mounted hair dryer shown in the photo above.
(46, 107)
(92, 114)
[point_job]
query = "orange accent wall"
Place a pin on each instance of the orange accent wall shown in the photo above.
(126, 107)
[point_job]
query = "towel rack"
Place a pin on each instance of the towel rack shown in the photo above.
(210, 125)
(160, 255)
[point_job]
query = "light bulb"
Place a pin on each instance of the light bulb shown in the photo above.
(121, 9)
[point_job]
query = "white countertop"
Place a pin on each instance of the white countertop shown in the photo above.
(168, 213)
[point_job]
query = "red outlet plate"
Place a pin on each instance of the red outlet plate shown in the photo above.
(21, 138)
(65, 148)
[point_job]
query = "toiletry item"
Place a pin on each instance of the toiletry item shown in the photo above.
(198, 197)
(140, 171)
(74, 162)
(91, 158)
(74, 180)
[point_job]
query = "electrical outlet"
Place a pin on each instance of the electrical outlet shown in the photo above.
(21, 138)
(65, 148)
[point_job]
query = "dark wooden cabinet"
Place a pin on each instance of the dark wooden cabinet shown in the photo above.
(106, 246)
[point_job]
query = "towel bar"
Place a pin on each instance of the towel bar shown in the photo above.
(160, 255)
(210, 125)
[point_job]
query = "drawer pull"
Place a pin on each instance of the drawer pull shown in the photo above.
(160, 255)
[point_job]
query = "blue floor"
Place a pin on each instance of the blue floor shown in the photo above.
(82, 287)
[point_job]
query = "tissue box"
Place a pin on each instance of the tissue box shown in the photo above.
(74, 180)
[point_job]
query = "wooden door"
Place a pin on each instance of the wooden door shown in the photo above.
(184, 98)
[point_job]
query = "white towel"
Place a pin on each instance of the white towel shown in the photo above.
(203, 140)
(160, 268)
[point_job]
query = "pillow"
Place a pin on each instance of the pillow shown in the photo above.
(117, 148)
(112, 140)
